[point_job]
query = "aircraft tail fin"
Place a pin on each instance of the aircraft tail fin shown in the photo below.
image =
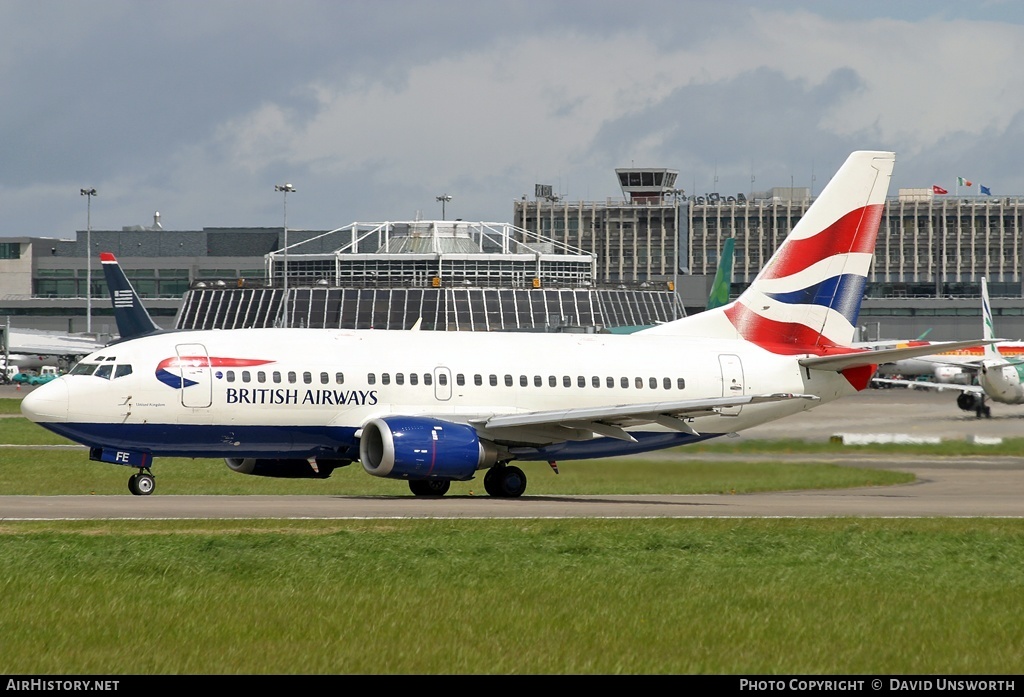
(807, 297)
(987, 328)
(132, 318)
(719, 295)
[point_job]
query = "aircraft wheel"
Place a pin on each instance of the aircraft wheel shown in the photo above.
(512, 482)
(141, 484)
(492, 480)
(429, 487)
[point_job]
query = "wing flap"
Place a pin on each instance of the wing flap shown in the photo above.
(611, 421)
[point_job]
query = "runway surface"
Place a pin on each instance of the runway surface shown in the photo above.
(978, 486)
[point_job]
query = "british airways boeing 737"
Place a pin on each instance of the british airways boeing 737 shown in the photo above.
(435, 407)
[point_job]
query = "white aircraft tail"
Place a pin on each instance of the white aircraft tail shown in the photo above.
(807, 297)
(987, 328)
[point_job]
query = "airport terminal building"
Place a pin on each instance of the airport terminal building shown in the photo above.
(560, 265)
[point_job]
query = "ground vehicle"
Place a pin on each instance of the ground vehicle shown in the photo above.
(7, 374)
(45, 375)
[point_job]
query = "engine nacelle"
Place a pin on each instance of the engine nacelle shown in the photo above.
(419, 447)
(291, 468)
(952, 374)
(968, 401)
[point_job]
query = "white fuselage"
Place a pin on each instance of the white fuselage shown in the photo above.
(281, 392)
(1003, 383)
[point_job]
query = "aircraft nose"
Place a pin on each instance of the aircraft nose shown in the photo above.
(47, 402)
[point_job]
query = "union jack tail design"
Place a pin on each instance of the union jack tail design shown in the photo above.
(807, 297)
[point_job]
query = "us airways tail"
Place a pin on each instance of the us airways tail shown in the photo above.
(132, 318)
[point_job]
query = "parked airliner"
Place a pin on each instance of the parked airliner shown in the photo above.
(435, 407)
(999, 372)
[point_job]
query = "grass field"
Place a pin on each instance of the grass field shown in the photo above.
(517, 597)
(674, 596)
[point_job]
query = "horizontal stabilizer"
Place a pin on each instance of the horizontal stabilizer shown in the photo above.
(843, 361)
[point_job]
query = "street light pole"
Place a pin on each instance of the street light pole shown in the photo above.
(443, 198)
(89, 193)
(286, 189)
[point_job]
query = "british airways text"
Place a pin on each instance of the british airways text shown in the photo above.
(280, 395)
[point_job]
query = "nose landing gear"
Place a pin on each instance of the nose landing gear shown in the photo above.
(141, 483)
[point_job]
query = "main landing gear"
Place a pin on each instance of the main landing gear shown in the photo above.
(429, 487)
(501, 481)
(141, 483)
(505, 481)
(974, 402)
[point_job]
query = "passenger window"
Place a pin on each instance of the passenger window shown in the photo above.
(414, 378)
(122, 370)
(654, 383)
(610, 381)
(277, 376)
(639, 383)
(261, 376)
(624, 382)
(595, 381)
(667, 382)
(104, 371)
(246, 376)
(291, 376)
(325, 378)
(552, 381)
(538, 381)
(339, 378)
(581, 381)
(478, 380)
(442, 379)
(460, 379)
(307, 377)
(385, 378)
(399, 378)
(371, 379)
(230, 376)
(508, 381)
(680, 383)
(493, 380)
(523, 381)
(428, 379)
(566, 381)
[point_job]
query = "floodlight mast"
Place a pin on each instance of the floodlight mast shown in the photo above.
(88, 193)
(443, 199)
(286, 189)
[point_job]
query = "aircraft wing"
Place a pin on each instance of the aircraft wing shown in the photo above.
(46, 343)
(842, 361)
(611, 421)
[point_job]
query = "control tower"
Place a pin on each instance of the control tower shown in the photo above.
(646, 184)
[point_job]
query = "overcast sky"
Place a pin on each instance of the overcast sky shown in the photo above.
(372, 110)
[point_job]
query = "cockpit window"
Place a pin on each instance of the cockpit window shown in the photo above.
(83, 369)
(122, 370)
(104, 371)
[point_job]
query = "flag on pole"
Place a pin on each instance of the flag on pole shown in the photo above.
(936, 189)
(985, 190)
(960, 181)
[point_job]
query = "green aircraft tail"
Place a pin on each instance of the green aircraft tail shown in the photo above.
(723, 277)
